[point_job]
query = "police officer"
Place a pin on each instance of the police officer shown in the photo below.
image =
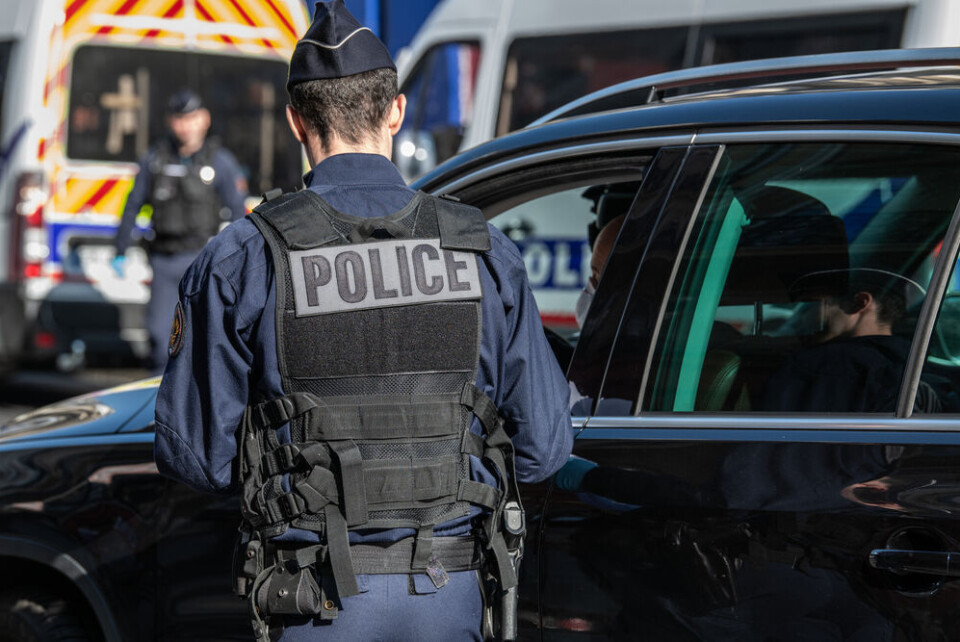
(194, 187)
(367, 365)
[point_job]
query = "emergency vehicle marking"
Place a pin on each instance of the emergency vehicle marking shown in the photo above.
(382, 274)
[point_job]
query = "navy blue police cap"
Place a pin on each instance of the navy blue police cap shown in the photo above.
(336, 46)
(183, 102)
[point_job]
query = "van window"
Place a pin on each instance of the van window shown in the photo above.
(543, 73)
(118, 97)
(5, 49)
(753, 40)
(440, 100)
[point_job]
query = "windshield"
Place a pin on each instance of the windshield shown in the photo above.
(117, 99)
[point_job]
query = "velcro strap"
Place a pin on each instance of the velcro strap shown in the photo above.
(318, 490)
(281, 460)
(423, 550)
(473, 444)
(276, 412)
(294, 217)
(352, 489)
(303, 555)
(338, 552)
(507, 574)
(480, 494)
(485, 410)
(455, 553)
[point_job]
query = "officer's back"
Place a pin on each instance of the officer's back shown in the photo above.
(373, 381)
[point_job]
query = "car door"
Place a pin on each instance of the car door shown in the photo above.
(550, 203)
(748, 472)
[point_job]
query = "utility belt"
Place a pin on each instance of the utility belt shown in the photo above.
(267, 569)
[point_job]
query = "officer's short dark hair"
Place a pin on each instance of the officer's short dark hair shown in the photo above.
(354, 106)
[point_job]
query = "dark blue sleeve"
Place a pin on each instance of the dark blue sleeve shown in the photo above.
(135, 199)
(206, 384)
(231, 184)
(533, 392)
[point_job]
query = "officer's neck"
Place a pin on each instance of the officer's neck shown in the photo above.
(317, 152)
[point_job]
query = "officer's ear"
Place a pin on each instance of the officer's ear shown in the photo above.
(397, 111)
(297, 125)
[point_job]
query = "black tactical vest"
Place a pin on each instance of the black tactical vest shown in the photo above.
(378, 340)
(186, 207)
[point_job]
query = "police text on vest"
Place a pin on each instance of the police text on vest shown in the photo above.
(381, 274)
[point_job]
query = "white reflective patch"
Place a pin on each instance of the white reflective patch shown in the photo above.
(381, 274)
(174, 170)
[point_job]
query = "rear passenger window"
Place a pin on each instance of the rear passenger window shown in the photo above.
(800, 288)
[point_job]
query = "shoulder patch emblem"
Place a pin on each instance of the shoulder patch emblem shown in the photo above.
(176, 332)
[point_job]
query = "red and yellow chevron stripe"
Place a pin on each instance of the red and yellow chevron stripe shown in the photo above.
(92, 195)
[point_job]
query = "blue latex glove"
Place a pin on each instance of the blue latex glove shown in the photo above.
(570, 476)
(118, 264)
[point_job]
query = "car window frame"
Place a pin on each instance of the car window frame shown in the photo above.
(834, 425)
(474, 186)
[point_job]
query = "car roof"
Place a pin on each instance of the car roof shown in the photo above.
(914, 94)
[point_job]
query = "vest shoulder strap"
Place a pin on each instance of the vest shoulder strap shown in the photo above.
(462, 227)
(294, 217)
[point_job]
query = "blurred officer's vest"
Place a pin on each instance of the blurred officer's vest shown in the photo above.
(186, 207)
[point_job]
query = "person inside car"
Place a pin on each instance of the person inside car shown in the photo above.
(858, 362)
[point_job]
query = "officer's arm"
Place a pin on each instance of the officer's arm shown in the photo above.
(135, 199)
(232, 185)
(536, 397)
(204, 388)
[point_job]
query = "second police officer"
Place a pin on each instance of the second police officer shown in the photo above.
(367, 366)
(194, 187)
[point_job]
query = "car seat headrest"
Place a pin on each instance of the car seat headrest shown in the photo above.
(788, 234)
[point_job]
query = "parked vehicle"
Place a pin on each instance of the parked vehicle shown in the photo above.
(84, 84)
(697, 513)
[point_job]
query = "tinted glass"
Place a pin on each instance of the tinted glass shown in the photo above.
(801, 284)
(440, 99)
(118, 98)
(545, 72)
(5, 49)
(941, 370)
(751, 40)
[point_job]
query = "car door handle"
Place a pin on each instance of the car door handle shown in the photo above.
(901, 561)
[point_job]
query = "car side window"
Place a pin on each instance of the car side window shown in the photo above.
(941, 368)
(555, 234)
(803, 278)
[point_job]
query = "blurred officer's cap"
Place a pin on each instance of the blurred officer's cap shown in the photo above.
(335, 46)
(183, 102)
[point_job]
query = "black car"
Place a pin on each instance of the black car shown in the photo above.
(742, 471)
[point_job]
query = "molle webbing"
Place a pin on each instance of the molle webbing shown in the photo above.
(379, 396)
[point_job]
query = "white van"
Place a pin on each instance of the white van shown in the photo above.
(82, 89)
(477, 70)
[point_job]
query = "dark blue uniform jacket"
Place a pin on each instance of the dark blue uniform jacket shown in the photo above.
(229, 357)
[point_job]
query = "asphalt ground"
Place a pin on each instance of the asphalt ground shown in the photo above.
(27, 389)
